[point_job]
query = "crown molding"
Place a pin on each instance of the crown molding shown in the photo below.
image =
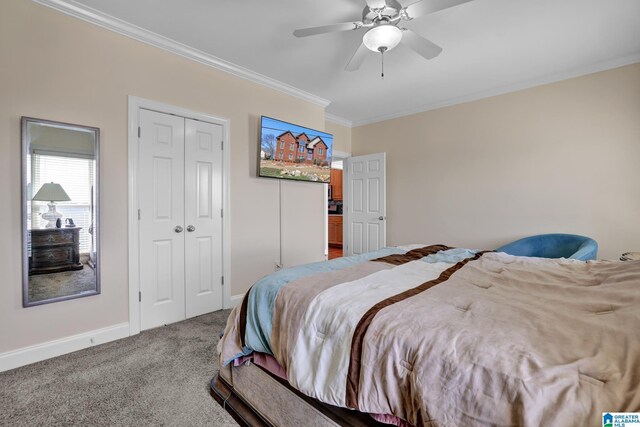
(565, 75)
(85, 13)
(338, 120)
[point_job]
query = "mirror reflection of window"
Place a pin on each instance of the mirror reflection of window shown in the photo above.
(76, 176)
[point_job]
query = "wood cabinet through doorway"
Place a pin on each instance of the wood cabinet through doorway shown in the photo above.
(336, 184)
(335, 230)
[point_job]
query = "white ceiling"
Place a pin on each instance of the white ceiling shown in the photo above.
(490, 46)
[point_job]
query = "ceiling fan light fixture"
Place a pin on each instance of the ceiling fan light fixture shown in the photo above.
(385, 37)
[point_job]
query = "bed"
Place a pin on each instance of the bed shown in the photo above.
(436, 336)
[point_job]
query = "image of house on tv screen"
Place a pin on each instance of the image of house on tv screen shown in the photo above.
(294, 152)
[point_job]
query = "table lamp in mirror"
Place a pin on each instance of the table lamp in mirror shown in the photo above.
(52, 193)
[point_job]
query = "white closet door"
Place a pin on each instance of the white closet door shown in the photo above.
(203, 204)
(161, 203)
(365, 216)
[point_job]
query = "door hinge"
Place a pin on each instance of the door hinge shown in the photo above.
(222, 280)
(221, 213)
(222, 145)
(139, 296)
(139, 132)
(138, 214)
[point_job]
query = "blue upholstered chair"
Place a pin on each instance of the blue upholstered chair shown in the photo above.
(553, 246)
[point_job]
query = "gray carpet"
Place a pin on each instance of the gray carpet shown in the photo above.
(159, 377)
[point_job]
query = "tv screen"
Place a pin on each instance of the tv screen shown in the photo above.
(293, 152)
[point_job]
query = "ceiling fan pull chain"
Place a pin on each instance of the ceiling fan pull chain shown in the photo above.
(382, 55)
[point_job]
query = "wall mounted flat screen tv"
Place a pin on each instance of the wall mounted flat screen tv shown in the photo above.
(293, 152)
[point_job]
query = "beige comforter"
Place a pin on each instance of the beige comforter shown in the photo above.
(493, 340)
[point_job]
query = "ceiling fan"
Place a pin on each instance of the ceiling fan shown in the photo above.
(382, 18)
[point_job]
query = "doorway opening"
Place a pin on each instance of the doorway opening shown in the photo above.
(334, 211)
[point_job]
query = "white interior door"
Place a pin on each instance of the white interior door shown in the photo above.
(161, 204)
(365, 195)
(203, 217)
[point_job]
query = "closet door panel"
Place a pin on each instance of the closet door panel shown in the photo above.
(203, 220)
(161, 202)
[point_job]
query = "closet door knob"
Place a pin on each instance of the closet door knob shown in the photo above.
(178, 229)
(191, 228)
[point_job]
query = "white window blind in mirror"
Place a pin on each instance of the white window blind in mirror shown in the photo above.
(76, 176)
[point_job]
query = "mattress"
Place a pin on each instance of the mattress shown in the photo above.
(430, 335)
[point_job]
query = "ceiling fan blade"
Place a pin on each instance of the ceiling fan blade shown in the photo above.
(419, 44)
(346, 26)
(376, 4)
(358, 57)
(425, 7)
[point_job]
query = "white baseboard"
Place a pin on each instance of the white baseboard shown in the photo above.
(235, 300)
(27, 355)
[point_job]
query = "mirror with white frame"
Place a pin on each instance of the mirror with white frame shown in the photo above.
(60, 218)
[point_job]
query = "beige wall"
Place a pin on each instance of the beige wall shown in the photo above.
(341, 136)
(563, 157)
(59, 68)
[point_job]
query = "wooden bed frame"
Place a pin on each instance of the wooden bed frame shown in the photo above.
(256, 398)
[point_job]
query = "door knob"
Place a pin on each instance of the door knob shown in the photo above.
(381, 218)
(191, 228)
(178, 229)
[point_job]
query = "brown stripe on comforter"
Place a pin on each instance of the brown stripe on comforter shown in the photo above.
(353, 377)
(412, 255)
